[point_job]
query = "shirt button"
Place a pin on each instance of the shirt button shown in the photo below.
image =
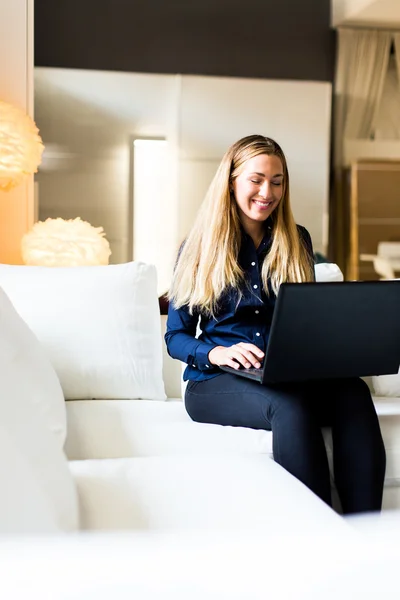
(253, 264)
(257, 312)
(207, 366)
(258, 334)
(255, 286)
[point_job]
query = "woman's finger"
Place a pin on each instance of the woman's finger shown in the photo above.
(252, 347)
(232, 363)
(244, 357)
(249, 358)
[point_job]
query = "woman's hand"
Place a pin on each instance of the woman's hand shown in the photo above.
(242, 354)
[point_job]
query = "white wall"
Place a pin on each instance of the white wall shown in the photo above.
(384, 12)
(366, 13)
(345, 9)
(88, 120)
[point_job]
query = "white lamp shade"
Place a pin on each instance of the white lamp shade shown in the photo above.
(65, 243)
(21, 146)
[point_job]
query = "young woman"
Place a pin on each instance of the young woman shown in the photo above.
(243, 245)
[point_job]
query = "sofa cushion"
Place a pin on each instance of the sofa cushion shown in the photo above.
(37, 490)
(324, 563)
(99, 326)
(26, 373)
(197, 492)
(115, 429)
(387, 385)
(25, 505)
(120, 428)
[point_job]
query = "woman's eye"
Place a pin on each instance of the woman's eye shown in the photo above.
(259, 182)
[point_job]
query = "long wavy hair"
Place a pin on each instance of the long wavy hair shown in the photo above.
(208, 261)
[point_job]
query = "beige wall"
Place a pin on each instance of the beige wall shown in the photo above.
(16, 87)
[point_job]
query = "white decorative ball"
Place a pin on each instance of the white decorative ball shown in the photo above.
(65, 243)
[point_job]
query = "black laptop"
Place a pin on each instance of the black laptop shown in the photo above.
(330, 330)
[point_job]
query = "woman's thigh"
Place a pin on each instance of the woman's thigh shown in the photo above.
(231, 400)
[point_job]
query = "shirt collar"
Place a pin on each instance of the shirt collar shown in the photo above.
(265, 242)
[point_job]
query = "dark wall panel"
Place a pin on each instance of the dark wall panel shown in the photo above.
(279, 39)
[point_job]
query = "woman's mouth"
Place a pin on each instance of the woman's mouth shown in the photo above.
(263, 204)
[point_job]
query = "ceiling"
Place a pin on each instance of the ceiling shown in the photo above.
(366, 13)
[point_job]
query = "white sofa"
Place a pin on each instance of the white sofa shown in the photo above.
(136, 461)
(101, 429)
(139, 500)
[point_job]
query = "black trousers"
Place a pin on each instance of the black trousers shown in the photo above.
(295, 413)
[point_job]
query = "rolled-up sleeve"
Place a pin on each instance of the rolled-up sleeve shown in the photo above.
(181, 340)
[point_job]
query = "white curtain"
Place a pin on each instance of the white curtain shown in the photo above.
(361, 66)
(387, 125)
(396, 37)
(362, 62)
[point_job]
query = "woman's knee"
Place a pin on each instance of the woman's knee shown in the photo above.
(357, 387)
(354, 417)
(355, 394)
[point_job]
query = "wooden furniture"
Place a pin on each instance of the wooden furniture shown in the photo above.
(374, 212)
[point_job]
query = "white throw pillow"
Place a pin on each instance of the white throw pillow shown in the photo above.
(328, 272)
(387, 385)
(31, 376)
(37, 491)
(100, 326)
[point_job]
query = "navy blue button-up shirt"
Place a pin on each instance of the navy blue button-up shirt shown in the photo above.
(247, 321)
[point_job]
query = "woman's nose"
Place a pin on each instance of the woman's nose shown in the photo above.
(265, 189)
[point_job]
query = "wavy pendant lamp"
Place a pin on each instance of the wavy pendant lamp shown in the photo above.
(21, 146)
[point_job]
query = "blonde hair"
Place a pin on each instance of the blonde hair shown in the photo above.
(208, 261)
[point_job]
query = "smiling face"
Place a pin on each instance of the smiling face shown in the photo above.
(258, 189)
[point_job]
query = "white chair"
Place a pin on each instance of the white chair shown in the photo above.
(387, 260)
